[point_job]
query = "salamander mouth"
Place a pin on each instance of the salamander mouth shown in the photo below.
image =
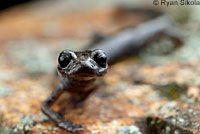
(82, 76)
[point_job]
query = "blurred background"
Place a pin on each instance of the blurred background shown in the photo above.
(33, 32)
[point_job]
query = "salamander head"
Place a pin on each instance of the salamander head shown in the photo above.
(83, 64)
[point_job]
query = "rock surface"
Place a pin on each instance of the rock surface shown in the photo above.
(135, 96)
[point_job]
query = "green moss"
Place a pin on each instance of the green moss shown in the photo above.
(161, 126)
(172, 90)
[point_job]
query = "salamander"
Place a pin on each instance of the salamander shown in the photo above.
(79, 70)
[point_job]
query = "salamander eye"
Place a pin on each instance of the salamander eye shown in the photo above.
(100, 58)
(64, 59)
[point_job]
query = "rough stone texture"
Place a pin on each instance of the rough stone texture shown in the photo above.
(182, 118)
(161, 99)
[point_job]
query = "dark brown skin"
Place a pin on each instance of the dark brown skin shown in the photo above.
(132, 40)
(79, 70)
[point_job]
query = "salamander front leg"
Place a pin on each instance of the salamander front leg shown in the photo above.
(58, 119)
